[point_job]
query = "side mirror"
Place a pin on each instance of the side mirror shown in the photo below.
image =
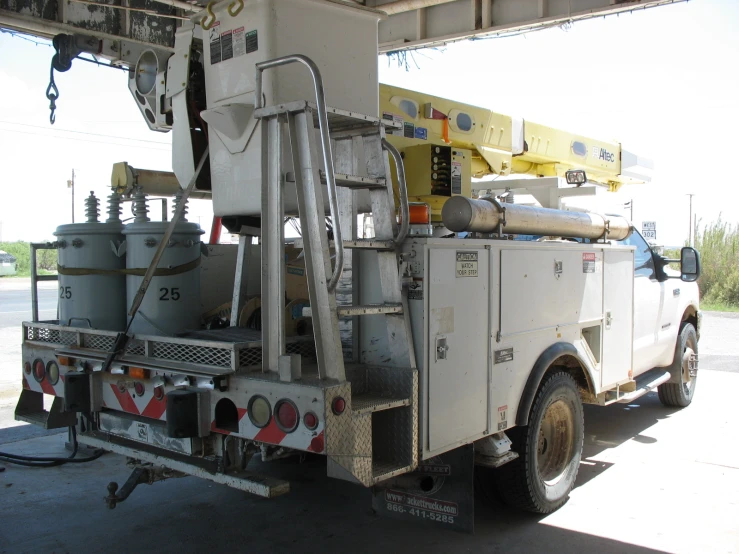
(690, 264)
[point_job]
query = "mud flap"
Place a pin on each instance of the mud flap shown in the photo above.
(440, 493)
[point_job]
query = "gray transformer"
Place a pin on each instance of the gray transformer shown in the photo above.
(172, 302)
(91, 280)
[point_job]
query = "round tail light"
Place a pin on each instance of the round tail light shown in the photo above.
(338, 405)
(139, 388)
(310, 420)
(27, 368)
(259, 410)
(286, 414)
(39, 370)
(52, 373)
(158, 393)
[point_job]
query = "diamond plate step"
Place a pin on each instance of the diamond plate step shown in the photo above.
(368, 402)
(385, 470)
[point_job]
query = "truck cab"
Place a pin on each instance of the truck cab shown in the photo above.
(662, 302)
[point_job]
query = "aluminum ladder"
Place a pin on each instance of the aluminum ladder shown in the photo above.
(385, 380)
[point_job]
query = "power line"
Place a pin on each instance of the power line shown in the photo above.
(87, 140)
(83, 133)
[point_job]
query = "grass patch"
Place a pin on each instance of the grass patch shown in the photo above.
(718, 307)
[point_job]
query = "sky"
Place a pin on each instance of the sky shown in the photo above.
(662, 82)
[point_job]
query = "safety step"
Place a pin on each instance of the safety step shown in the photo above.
(385, 470)
(642, 385)
(370, 309)
(30, 409)
(371, 402)
(370, 244)
(357, 182)
(339, 120)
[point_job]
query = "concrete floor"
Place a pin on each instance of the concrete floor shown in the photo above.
(652, 479)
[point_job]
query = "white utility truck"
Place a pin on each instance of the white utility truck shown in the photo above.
(442, 343)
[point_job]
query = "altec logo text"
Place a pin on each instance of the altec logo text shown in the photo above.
(603, 154)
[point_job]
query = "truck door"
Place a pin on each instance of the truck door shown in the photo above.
(458, 344)
(647, 305)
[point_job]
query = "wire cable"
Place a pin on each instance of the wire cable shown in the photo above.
(50, 461)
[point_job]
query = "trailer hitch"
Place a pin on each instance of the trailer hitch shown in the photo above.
(141, 474)
(138, 476)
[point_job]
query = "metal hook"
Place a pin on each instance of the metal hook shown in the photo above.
(235, 12)
(209, 9)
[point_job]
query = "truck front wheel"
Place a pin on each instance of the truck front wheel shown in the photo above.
(683, 369)
(549, 448)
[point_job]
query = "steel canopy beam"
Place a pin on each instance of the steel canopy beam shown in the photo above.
(416, 24)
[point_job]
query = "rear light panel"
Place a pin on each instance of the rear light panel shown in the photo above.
(259, 410)
(39, 370)
(286, 415)
(52, 373)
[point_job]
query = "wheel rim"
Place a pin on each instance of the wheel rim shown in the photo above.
(556, 442)
(689, 355)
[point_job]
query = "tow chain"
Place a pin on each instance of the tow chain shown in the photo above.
(52, 93)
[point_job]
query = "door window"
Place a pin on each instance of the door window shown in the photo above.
(643, 260)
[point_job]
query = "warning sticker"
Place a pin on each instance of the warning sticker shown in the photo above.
(252, 41)
(456, 177)
(502, 417)
(505, 355)
(215, 43)
(588, 262)
(415, 290)
(227, 50)
(239, 42)
(409, 130)
(466, 264)
(396, 120)
(421, 133)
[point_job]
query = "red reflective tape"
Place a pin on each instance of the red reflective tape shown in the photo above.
(271, 434)
(125, 400)
(155, 408)
(317, 444)
(26, 385)
(242, 412)
(47, 388)
(215, 429)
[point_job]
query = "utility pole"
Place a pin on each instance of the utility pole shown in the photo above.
(70, 184)
(690, 220)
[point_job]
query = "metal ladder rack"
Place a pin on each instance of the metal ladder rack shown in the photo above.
(385, 414)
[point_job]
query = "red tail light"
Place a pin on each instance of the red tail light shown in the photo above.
(139, 388)
(286, 414)
(27, 368)
(310, 420)
(338, 405)
(158, 393)
(39, 370)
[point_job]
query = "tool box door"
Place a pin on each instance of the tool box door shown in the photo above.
(458, 345)
(618, 316)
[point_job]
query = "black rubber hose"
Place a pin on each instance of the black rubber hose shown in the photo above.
(48, 461)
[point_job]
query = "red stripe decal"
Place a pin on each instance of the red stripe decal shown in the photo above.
(26, 385)
(242, 412)
(125, 400)
(47, 388)
(270, 434)
(215, 429)
(155, 408)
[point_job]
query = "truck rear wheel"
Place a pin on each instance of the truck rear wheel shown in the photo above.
(680, 394)
(549, 449)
